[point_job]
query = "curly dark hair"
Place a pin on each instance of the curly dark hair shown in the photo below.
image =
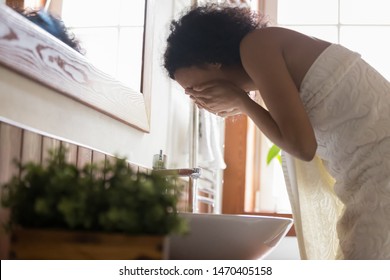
(53, 25)
(209, 34)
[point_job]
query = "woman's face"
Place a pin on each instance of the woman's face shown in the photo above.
(191, 77)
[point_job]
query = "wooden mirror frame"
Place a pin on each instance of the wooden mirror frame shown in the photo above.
(34, 53)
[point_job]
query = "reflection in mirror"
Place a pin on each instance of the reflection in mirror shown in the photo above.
(33, 53)
(110, 32)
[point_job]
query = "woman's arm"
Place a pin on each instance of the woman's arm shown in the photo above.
(285, 123)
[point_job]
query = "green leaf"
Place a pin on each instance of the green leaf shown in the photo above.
(273, 152)
(105, 196)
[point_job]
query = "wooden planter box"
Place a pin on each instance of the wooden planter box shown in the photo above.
(47, 244)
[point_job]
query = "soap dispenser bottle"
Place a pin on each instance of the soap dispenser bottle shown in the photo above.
(159, 161)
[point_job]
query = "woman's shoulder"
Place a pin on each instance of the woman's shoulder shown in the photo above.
(273, 35)
(262, 39)
(297, 50)
(260, 36)
(283, 41)
(267, 40)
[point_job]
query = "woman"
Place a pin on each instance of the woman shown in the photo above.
(321, 100)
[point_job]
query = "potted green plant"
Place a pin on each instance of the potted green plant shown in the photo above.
(274, 153)
(103, 211)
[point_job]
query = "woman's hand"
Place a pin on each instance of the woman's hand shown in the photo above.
(219, 97)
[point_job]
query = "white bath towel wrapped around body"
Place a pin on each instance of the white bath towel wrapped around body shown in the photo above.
(341, 200)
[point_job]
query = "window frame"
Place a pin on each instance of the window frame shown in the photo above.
(239, 187)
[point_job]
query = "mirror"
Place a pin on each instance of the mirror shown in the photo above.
(111, 34)
(32, 52)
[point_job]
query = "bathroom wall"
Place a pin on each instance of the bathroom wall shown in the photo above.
(34, 117)
(30, 105)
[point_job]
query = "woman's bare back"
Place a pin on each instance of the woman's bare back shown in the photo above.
(299, 51)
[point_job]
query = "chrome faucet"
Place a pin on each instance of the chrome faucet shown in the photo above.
(194, 173)
(159, 167)
(159, 161)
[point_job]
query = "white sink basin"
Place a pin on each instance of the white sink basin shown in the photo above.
(224, 237)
